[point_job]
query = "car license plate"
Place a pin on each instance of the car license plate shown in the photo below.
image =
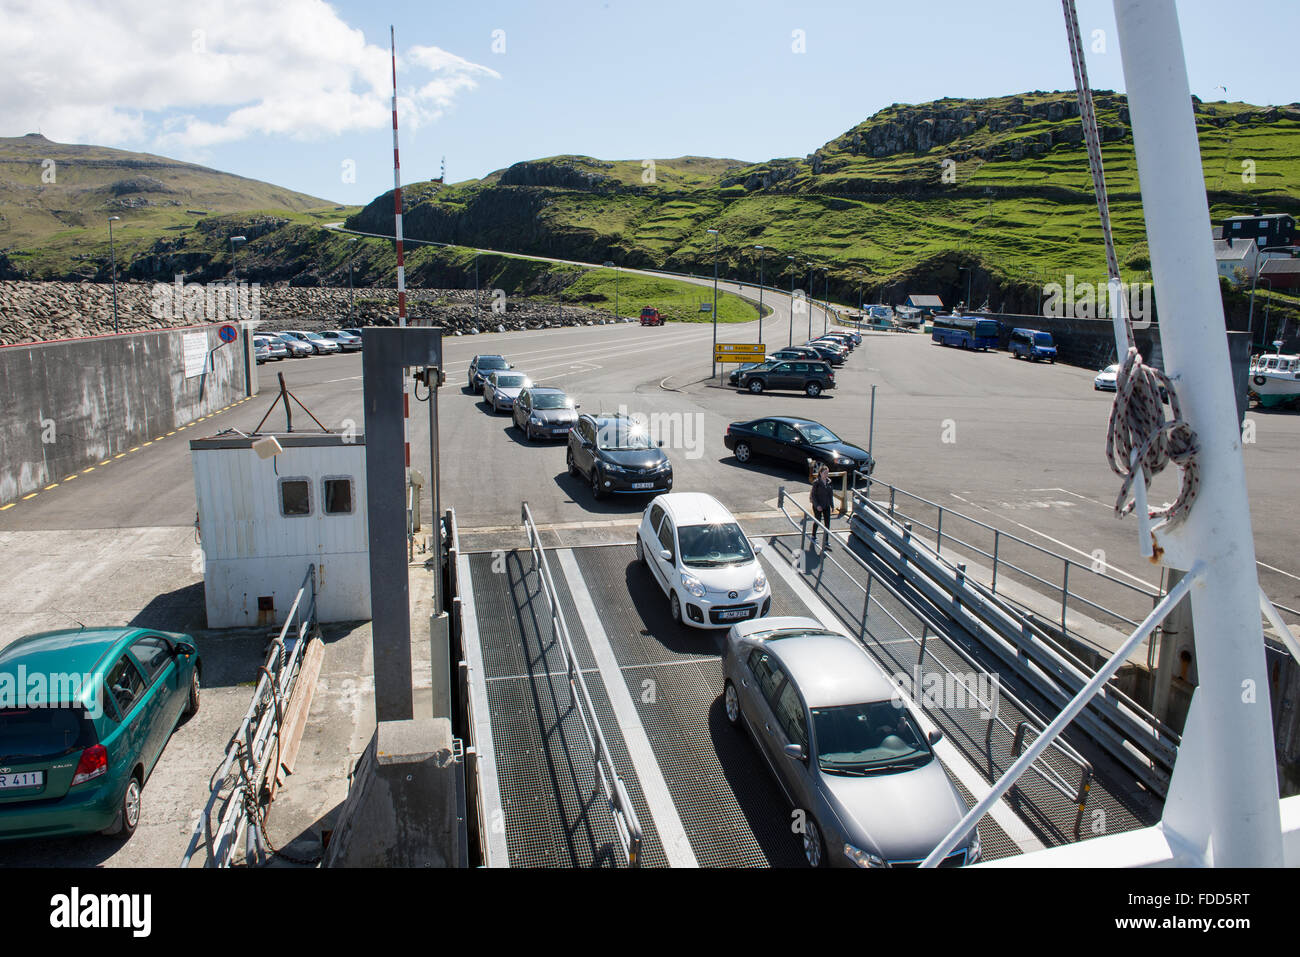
(640, 485)
(27, 779)
(734, 613)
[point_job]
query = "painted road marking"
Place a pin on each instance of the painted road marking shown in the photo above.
(69, 478)
(91, 469)
(953, 759)
(120, 455)
(658, 799)
(105, 462)
(50, 486)
(30, 495)
(10, 505)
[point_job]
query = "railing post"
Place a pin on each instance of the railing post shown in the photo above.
(907, 542)
(938, 541)
(1065, 595)
(961, 585)
(996, 538)
(891, 501)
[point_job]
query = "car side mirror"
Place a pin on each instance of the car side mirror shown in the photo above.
(665, 554)
(660, 443)
(934, 737)
(794, 752)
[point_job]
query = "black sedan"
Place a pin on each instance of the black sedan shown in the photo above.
(616, 455)
(795, 440)
(828, 353)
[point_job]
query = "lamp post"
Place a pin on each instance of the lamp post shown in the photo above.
(714, 234)
(792, 275)
(609, 264)
(826, 300)
(352, 298)
(235, 240)
(812, 278)
(477, 309)
(112, 252)
(762, 253)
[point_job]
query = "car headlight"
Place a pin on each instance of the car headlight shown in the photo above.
(693, 585)
(862, 858)
(535, 419)
(760, 581)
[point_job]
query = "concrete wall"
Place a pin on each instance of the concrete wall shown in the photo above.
(68, 404)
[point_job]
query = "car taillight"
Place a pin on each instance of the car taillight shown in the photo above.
(93, 763)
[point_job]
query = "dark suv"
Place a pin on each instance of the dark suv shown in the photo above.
(480, 367)
(811, 378)
(615, 454)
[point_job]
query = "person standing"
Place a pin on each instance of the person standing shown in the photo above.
(823, 497)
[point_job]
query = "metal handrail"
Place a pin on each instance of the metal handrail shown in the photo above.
(257, 738)
(1049, 774)
(620, 802)
(1003, 604)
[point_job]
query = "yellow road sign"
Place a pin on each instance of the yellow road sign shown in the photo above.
(739, 352)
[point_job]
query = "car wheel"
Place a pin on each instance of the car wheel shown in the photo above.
(192, 705)
(128, 812)
(742, 452)
(528, 432)
(640, 552)
(756, 386)
(813, 847)
(814, 389)
(573, 466)
(596, 490)
(731, 703)
(675, 607)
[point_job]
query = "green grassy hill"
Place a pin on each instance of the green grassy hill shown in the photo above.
(897, 204)
(55, 200)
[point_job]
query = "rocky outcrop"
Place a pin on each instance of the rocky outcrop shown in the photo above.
(41, 311)
(561, 174)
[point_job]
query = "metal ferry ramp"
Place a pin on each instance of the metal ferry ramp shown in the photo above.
(599, 737)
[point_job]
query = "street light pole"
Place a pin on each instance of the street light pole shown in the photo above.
(714, 233)
(812, 278)
(792, 275)
(352, 295)
(826, 300)
(761, 254)
(112, 252)
(477, 310)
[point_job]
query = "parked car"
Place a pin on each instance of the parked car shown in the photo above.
(353, 332)
(847, 750)
(323, 346)
(616, 455)
(347, 342)
(1106, 380)
(298, 348)
(811, 378)
(835, 355)
(734, 377)
(261, 351)
(850, 339)
(480, 366)
(795, 440)
(502, 387)
(544, 413)
(1032, 344)
(77, 761)
(796, 352)
(275, 346)
(702, 560)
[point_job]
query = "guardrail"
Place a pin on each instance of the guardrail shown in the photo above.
(620, 802)
(239, 791)
(1049, 775)
(1145, 594)
(1130, 732)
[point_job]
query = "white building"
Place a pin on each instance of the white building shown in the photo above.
(264, 521)
(1236, 254)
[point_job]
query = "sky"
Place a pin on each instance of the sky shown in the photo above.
(297, 92)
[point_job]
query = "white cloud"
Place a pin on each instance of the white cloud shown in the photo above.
(193, 75)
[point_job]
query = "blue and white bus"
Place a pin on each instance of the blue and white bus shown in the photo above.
(969, 332)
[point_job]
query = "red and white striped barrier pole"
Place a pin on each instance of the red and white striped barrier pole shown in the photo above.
(401, 261)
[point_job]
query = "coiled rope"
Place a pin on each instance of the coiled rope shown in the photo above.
(1137, 418)
(1138, 423)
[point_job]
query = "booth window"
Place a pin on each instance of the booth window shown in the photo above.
(295, 496)
(338, 496)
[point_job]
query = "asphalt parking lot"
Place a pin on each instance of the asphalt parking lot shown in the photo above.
(1017, 445)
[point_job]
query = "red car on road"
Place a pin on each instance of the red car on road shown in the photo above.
(651, 316)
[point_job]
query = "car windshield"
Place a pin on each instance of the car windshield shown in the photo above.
(871, 738)
(817, 434)
(1043, 338)
(551, 400)
(513, 381)
(28, 734)
(623, 435)
(491, 362)
(1110, 370)
(707, 546)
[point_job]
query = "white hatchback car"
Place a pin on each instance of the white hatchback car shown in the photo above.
(702, 560)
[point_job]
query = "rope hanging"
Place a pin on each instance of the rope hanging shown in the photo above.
(1137, 418)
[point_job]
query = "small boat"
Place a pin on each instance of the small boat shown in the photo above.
(1275, 378)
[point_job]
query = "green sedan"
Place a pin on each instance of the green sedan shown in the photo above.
(84, 716)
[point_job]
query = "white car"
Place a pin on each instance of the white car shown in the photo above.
(1105, 381)
(702, 560)
(501, 388)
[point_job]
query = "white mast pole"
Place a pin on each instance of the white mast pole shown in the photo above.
(1223, 798)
